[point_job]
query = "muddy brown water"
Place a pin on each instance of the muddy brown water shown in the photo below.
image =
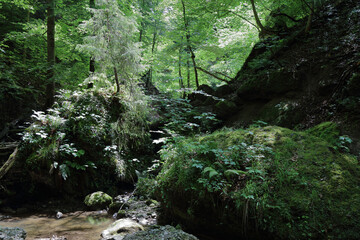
(73, 226)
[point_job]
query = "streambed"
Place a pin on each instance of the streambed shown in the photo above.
(73, 226)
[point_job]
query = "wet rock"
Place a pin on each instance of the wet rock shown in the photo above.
(143, 221)
(98, 200)
(120, 228)
(160, 233)
(59, 215)
(12, 233)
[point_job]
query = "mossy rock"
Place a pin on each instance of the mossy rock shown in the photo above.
(98, 200)
(265, 86)
(225, 108)
(329, 131)
(267, 181)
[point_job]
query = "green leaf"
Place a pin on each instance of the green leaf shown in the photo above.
(212, 172)
(233, 172)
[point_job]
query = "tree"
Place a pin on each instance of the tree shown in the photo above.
(111, 41)
(189, 47)
(92, 62)
(50, 86)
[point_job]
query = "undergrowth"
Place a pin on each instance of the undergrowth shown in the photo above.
(295, 185)
(86, 130)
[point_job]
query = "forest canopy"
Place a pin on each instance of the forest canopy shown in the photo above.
(174, 44)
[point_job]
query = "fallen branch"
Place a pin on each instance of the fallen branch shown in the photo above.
(8, 164)
(213, 75)
(8, 145)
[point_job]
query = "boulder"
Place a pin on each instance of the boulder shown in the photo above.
(225, 108)
(263, 181)
(118, 229)
(98, 200)
(223, 91)
(160, 233)
(12, 233)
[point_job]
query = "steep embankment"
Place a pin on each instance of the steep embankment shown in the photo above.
(262, 183)
(299, 79)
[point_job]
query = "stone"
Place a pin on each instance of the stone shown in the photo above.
(59, 215)
(160, 233)
(12, 233)
(98, 200)
(120, 228)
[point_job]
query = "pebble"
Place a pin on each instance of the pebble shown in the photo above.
(59, 215)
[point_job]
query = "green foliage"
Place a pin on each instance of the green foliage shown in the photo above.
(181, 118)
(111, 40)
(83, 131)
(288, 183)
(145, 187)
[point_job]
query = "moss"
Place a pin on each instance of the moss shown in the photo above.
(121, 214)
(291, 184)
(98, 200)
(329, 131)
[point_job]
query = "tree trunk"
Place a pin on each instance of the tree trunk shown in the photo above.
(257, 19)
(186, 24)
(310, 18)
(92, 61)
(188, 73)
(92, 65)
(181, 83)
(116, 80)
(50, 87)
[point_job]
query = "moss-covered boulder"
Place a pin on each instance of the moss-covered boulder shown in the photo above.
(98, 200)
(264, 181)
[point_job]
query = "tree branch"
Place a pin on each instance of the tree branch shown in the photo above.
(243, 18)
(285, 15)
(223, 74)
(213, 75)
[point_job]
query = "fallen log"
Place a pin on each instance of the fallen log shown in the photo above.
(8, 164)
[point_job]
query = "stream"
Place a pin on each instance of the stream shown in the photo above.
(73, 226)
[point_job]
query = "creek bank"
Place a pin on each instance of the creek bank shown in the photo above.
(62, 219)
(263, 180)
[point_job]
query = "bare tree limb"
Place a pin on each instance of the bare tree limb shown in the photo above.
(223, 74)
(213, 75)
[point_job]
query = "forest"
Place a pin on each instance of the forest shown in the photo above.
(179, 119)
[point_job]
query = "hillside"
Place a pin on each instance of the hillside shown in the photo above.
(298, 79)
